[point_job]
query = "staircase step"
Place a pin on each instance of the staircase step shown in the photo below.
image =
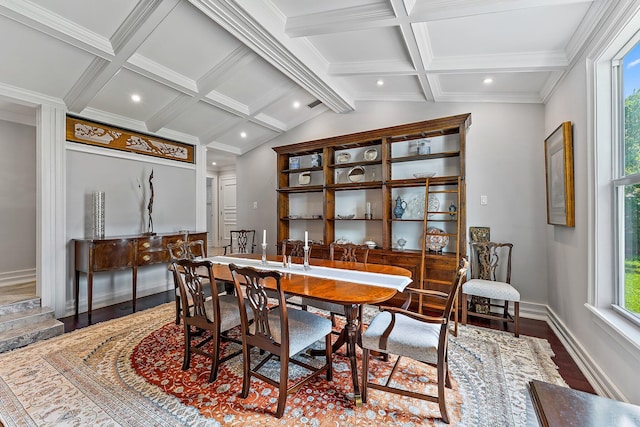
(19, 319)
(28, 334)
(14, 303)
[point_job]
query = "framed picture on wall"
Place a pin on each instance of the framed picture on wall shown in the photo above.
(558, 149)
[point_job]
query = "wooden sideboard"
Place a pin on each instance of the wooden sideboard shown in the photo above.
(94, 255)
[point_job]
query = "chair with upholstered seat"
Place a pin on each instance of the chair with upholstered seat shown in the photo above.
(423, 338)
(241, 242)
(491, 281)
(186, 249)
(281, 331)
(214, 313)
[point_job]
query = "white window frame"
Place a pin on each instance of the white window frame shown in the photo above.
(604, 99)
(620, 180)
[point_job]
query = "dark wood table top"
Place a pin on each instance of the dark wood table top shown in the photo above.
(331, 290)
(562, 406)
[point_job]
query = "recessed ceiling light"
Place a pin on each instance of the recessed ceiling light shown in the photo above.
(135, 97)
(243, 134)
(296, 104)
(213, 163)
(487, 81)
(380, 82)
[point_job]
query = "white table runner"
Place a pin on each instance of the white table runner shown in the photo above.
(364, 277)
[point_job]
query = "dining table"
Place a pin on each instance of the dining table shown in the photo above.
(351, 284)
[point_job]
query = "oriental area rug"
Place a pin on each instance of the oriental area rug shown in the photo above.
(127, 372)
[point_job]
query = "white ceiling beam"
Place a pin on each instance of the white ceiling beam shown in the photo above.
(140, 23)
(340, 20)
(294, 57)
(397, 68)
(222, 71)
(161, 74)
(412, 46)
(449, 9)
(520, 62)
(53, 25)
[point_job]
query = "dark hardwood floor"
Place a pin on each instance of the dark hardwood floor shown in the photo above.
(535, 328)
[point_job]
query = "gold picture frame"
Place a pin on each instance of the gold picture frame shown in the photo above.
(558, 162)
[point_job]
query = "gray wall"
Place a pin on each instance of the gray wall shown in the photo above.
(126, 187)
(17, 202)
(505, 161)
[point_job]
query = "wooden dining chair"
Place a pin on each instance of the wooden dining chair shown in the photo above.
(216, 313)
(241, 242)
(296, 248)
(348, 252)
(281, 332)
(184, 250)
(490, 283)
(405, 333)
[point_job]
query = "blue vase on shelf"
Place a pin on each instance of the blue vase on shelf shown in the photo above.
(401, 205)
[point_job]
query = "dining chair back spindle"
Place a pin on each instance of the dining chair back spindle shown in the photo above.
(185, 249)
(241, 242)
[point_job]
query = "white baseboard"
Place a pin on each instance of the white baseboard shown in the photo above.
(602, 384)
(10, 278)
(122, 295)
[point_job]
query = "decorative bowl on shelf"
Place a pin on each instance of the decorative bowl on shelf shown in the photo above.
(424, 175)
(294, 216)
(356, 174)
(371, 244)
(343, 158)
(304, 178)
(349, 216)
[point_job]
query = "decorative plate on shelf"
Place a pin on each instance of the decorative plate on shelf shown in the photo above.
(356, 174)
(343, 158)
(304, 178)
(436, 239)
(371, 154)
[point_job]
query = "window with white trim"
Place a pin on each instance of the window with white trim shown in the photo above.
(626, 180)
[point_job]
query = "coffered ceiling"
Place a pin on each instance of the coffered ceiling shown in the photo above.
(233, 74)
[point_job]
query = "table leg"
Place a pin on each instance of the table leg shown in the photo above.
(134, 286)
(89, 294)
(76, 290)
(352, 329)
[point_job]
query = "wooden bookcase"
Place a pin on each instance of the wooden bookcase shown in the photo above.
(325, 186)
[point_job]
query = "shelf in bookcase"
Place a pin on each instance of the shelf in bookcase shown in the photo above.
(351, 164)
(418, 182)
(355, 185)
(315, 168)
(415, 157)
(301, 189)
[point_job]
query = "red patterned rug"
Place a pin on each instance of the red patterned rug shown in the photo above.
(158, 358)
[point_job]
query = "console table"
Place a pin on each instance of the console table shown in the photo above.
(94, 255)
(561, 406)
